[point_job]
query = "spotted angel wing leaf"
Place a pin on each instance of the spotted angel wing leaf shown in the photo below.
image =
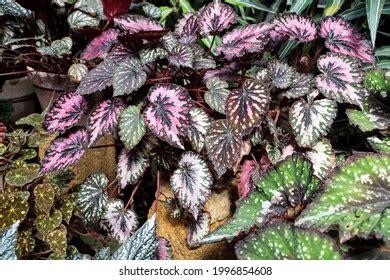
(131, 166)
(342, 37)
(100, 45)
(142, 245)
(301, 85)
(92, 198)
(341, 78)
(98, 78)
(311, 120)
(199, 124)
(198, 230)
(151, 55)
(136, 23)
(355, 199)
(223, 146)
(167, 114)
(248, 39)
(65, 112)
(216, 17)
(128, 77)
(217, 94)
(380, 145)
(365, 120)
(280, 193)
(191, 183)
(121, 222)
(280, 74)
(245, 107)
(282, 241)
(131, 127)
(65, 151)
(8, 242)
(294, 27)
(322, 157)
(104, 118)
(181, 55)
(187, 28)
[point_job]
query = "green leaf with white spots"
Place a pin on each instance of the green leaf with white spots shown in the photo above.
(380, 145)
(131, 127)
(47, 223)
(217, 94)
(376, 80)
(283, 241)
(44, 197)
(92, 198)
(23, 174)
(128, 77)
(310, 120)
(356, 198)
(365, 121)
(8, 238)
(13, 208)
(151, 55)
(57, 242)
(322, 157)
(282, 193)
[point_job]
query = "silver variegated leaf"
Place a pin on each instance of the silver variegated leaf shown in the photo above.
(322, 157)
(198, 126)
(380, 145)
(92, 198)
(311, 120)
(128, 77)
(181, 55)
(151, 11)
(151, 55)
(191, 183)
(198, 229)
(13, 8)
(217, 94)
(142, 245)
(8, 241)
(131, 166)
(78, 20)
(245, 107)
(131, 127)
(280, 73)
(301, 85)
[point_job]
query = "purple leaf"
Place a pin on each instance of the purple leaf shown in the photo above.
(248, 39)
(187, 28)
(224, 73)
(131, 166)
(128, 76)
(216, 17)
(120, 52)
(164, 249)
(104, 118)
(199, 124)
(65, 112)
(65, 151)
(198, 229)
(191, 183)
(100, 45)
(245, 184)
(167, 115)
(181, 55)
(113, 8)
(341, 78)
(294, 27)
(98, 78)
(342, 37)
(246, 107)
(135, 23)
(223, 146)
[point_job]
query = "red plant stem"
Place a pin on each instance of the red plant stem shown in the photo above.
(113, 191)
(131, 199)
(159, 79)
(277, 115)
(109, 185)
(14, 73)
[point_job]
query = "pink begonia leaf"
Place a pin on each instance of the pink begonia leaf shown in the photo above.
(198, 229)
(114, 8)
(164, 249)
(167, 114)
(65, 151)
(131, 166)
(200, 122)
(223, 146)
(341, 78)
(342, 37)
(294, 27)
(248, 39)
(187, 28)
(104, 118)
(245, 107)
(121, 222)
(245, 184)
(100, 45)
(216, 17)
(135, 23)
(97, 79)
(191, 183)
(65, 112)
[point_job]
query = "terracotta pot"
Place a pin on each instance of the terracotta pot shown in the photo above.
(20, 92)
(48, 85)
